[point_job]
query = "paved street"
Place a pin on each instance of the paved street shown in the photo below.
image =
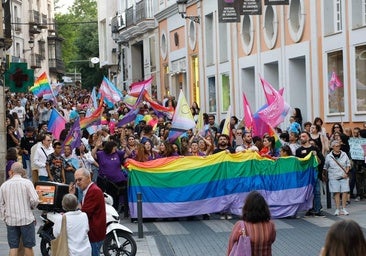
(302, 236)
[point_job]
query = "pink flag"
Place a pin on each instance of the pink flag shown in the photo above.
(269, 91)
(334, 82)
(248, 117)
(136, 88)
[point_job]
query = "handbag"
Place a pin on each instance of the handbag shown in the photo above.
(242, 247)
(60, 246)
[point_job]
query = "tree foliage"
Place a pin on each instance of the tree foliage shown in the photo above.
(79, 28)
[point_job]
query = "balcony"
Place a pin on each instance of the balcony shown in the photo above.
(34, 17)
(43, 24)
(17, 25)
(51, 25)
(36, 61)
(56, 66)
(137, 20)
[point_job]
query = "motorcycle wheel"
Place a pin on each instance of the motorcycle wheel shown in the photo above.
(128, 244)
(45, 247)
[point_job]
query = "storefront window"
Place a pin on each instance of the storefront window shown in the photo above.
(212, 94)
(335, 93)
(225, 92)
(361, 78)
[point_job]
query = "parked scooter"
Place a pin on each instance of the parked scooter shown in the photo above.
(118, 241)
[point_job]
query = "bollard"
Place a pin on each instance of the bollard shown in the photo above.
(329, 196)
(140, 228)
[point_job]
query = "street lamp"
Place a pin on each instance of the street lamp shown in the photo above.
(182, 10)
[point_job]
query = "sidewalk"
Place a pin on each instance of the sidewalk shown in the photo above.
(200, 237)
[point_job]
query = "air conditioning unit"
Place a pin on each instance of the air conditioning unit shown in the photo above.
(121, 21)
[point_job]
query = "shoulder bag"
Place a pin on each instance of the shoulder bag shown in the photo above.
(60, 246)
(242, 247)
(340, 167)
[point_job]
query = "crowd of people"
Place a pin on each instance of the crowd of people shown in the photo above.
(102, 153)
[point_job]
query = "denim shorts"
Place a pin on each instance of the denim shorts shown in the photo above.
(27, 232)
(339, 186)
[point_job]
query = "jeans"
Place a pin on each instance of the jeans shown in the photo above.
(317, 204)
(96, 247)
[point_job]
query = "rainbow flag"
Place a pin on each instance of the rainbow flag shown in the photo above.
(41, 86)
(138, 87)
(273, 133)
(56, 123)
(168, 112)
(177, 187)
(94, 118)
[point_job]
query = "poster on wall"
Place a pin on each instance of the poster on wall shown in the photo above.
(229, 11)
(250, 7)
(276, 2)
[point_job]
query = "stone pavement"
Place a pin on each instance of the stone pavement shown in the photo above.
(301, 236)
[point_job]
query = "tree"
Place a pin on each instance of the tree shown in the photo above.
(79, 28)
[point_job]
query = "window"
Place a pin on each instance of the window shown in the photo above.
(247, 34)
(296, 19)
(192, 35)
(335, 94)
(225, 92)
(270, 27)
(363, 8)
(223, 41)
(212, 94)
(361, 78)
(209, 28)
(164, 46)
(338, 16)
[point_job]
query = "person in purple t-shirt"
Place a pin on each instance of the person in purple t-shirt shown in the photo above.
(111, 178)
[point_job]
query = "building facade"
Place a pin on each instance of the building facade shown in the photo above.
(295, 47)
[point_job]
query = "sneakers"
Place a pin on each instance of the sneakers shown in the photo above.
(226, 216)
(344, 211)
(319, 214)
(358, 199)
(336, 213)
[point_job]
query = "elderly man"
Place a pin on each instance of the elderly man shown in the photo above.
(17, 200)
(94, 206)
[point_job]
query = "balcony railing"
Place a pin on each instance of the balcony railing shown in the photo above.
(17, 25)
(136, 20)
(130, 20)
(144, 10)
(56, 66)
(51, 25)
(44, 21)
(34, 17)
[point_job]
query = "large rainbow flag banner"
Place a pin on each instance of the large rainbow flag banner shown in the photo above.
(187, 186)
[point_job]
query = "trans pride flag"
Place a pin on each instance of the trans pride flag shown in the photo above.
(178, 187)
(41, 86)
(110, 92)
